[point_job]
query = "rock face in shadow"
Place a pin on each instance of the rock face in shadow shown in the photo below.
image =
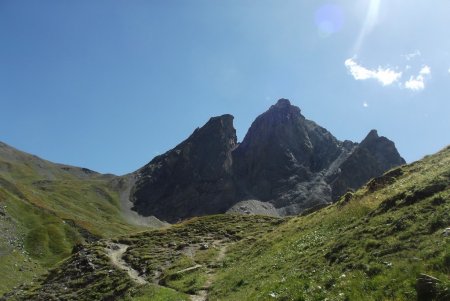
(371, 158)
(285, 160)
(280, 157)
(192, 179)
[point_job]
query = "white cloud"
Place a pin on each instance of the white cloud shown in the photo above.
(417, 83)
(425, 70)
(365, 104)
(385, 76)
(410, 56)
(357, 71)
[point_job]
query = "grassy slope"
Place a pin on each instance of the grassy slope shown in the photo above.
(177, 248)
(371, 248)
(158, 254)
(45, 209)
(371, 245)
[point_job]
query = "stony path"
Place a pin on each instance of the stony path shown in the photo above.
(202, 295)
(222, 252)
(115, 253)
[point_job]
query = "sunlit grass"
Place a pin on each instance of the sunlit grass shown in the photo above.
(370, 245)
(50, 210)
(356, 251)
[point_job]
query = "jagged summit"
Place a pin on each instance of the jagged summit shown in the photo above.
(373, 156)
(282, 110)
(282, 103)
(225, 120)
(280, 154)
(217, 130)
(372, 135)
(192, 179)
(284, 159)
(276, 123)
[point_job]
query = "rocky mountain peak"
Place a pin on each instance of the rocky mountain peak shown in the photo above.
(282, 103)
(284, 159)
(218, 130)
(382, 149)
(192, 179)
(371, 137)
(281, 149)
(224, 121)
(371, 158)
(283, 110)
(282, 122)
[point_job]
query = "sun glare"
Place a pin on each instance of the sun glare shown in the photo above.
(369, 23)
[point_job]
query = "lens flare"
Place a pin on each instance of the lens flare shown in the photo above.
(329, 19)
(369, 23)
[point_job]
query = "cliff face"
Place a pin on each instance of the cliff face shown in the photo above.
(285, 160)
(282, 150)
(371, 158)
(192, 179)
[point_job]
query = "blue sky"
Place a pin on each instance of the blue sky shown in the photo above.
(110, 84)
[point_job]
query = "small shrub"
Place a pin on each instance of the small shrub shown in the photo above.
(437, 200)
(437, 222)
(372, 244)
(374, 269)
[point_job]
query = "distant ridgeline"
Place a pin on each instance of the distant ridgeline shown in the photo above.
(285, 165)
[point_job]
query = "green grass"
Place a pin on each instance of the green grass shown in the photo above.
(371, 245)
(189, 282)
(163, 251)
(17, 269)
(49, 233)
(50, 209)
(153, 292)
(156, 250)
(371, 248)
(87, 275)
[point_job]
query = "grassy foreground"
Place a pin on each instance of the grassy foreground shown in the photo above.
(377, 243)
(176, 262)
(371, 245)
(46, 209)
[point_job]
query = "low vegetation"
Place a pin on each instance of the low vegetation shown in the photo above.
(371, 245)
(46, 209)
(176, 261)
(386, 241)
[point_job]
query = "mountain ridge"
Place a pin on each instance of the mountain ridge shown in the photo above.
(284, 159)
(285, 162)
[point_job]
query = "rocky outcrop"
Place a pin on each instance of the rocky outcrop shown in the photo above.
(371, 158)
(428, 288)
(192, 179)
(285, 160)
(280, 156)
(254, 207)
